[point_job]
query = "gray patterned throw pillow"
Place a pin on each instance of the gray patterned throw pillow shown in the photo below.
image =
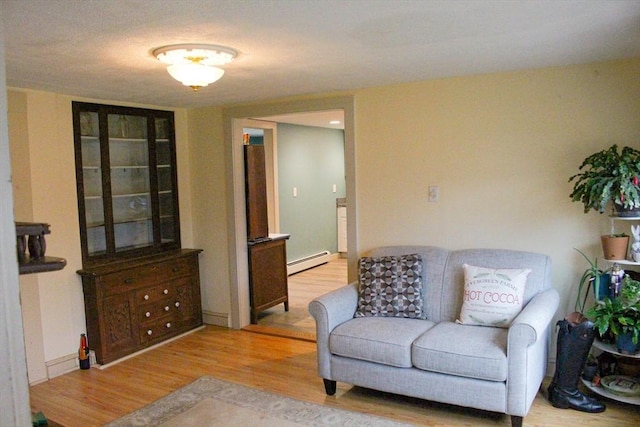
(391, 286)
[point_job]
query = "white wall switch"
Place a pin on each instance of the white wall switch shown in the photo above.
(335, 188)
(434, 193)
(295, 191)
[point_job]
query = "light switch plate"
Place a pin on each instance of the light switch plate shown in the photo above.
(434, 194)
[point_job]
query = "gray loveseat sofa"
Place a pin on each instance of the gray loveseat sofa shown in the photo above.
(488, 368)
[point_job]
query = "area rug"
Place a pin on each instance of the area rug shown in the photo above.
(212, 402)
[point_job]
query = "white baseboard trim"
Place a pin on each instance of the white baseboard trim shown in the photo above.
(216, 319)
(61, 365)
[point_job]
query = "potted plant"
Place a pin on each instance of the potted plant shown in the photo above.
(615, 245)
(609, 176)
(619, 318)
(592, 276)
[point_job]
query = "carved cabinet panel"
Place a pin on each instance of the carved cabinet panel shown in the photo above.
(141, 302)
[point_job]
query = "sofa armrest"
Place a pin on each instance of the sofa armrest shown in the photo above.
(527, 351)
(533, 320)
(329, 311)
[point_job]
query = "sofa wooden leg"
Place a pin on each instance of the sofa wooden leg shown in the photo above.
(516, 421)
(329, 387)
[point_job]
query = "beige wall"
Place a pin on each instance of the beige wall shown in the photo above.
(501, 147)
(44, 185)
(208, 168)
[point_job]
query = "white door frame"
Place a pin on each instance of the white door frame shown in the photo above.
(237, 228)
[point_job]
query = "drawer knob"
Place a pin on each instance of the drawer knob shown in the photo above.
(149, 332)
(166, 291)
(168, 325)
(175, 269)
(166, 308)
(128, 281)
(146, 297)
(147, 314)
(177, 303)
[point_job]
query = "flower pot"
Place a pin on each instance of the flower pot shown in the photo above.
(589, 371)
(625, 345)
(627, 212)
(614, 248)
(601, 287)
(629, 367)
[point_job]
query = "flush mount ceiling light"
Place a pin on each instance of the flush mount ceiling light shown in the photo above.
(195, 65)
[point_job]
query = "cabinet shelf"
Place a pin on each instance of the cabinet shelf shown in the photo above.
(116, 196)
(131, 167)
(118, 139)
(125, 180)
(132, 220)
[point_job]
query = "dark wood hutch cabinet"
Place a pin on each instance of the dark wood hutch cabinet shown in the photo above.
(140, 287)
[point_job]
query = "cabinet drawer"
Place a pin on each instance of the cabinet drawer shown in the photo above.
(150, 313)
(127, 280)
(156, 294)
(158, 330)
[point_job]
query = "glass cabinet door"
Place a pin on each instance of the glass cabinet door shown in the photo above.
(127, 181)
(92, 183)
(165, 173)
(130, 185)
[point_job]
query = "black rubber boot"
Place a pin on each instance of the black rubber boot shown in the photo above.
(575, 336)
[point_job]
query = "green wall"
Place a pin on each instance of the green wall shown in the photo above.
(312, 160)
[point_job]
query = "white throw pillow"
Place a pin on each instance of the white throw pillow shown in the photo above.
(492, 297)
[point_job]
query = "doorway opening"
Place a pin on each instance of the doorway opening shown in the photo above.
(233, 122)
(308, 174)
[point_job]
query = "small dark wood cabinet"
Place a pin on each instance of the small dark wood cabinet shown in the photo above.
(268, 275)
(138, 303)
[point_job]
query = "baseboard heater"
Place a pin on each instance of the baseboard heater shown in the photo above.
(308, 262)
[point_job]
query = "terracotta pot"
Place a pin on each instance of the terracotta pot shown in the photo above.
(628, 366)
(614, 248)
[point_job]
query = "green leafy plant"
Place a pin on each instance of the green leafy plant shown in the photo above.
(608, 176)
(620, 315)
(630, 291)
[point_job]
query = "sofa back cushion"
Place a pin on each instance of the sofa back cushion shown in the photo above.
(537, 280)
(443, 273)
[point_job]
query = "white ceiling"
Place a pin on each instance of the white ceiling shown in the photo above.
(101, 49)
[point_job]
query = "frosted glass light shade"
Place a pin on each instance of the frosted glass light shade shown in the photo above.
(195, 75)
(195, 65)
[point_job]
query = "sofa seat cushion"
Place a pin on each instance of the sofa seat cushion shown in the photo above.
(385, 340)
(468, 351)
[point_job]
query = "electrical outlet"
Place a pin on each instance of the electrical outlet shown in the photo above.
(434, 194)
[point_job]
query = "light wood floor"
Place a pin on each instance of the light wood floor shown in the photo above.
(303, 287)
(279, 365)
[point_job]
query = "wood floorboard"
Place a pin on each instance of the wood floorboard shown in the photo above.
(277, 355)
(276, 364)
